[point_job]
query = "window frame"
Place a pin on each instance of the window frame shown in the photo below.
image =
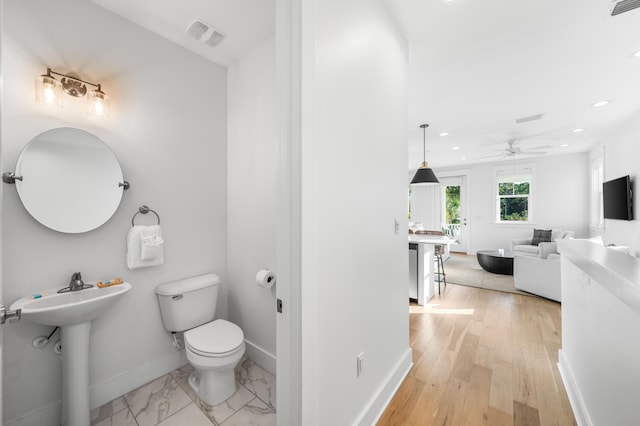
(500, 173)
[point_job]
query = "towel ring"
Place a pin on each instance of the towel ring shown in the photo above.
(144, 210)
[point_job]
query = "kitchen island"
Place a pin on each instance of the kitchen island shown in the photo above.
(421, 252)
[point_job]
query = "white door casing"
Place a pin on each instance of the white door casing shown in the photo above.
(288, 236)
(1, 195)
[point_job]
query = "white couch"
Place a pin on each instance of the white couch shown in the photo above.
(523, 247)
(538, 276)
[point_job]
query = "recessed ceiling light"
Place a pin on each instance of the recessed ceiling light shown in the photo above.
(637, 54)
(578, 130)
(463, 158)
(444, 134)
(564, 145)
(599, 104)
(455, 148)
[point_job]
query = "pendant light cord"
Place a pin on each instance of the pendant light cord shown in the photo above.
(424, 144)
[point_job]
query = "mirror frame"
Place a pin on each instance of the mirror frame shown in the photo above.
(69, 180)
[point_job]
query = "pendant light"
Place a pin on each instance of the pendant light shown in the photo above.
(424, 175)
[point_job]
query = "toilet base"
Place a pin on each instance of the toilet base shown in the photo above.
(213, 386)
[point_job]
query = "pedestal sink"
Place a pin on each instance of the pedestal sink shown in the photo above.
(73, 311)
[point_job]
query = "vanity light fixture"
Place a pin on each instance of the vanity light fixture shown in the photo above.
(424, 175)
(49, 90)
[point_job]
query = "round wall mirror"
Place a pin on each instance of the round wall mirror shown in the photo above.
(71, 180)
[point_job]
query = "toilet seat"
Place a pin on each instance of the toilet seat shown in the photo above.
(219, 338)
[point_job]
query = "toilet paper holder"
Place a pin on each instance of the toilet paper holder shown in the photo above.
(265, 278)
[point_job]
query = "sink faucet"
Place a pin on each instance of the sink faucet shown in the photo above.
(75, 284)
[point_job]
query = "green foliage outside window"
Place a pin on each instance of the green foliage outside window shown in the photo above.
(514, 201)
(513, 188)
(452, 209)
(514, 209)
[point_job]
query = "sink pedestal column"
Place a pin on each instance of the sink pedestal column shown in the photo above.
(75, 374)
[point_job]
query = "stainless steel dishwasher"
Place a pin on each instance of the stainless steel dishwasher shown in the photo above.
(413, 271)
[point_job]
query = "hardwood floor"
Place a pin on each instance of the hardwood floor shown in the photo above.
(483, 357)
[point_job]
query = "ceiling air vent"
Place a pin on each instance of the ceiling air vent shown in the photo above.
(529, 118)
(205, 33)
(625, 6)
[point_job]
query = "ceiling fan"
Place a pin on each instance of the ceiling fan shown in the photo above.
(513, 151)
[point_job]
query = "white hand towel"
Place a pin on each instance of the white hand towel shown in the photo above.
(151, 247)
(145, 246)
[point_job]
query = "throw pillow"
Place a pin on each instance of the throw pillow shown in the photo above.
(541, 236)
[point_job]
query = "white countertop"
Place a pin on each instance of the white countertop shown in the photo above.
(617, 272)
(430, 239)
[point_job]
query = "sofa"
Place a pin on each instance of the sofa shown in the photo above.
(538, 276)
(541, 250)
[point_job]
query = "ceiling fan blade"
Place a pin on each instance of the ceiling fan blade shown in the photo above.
(502, 142)
(490, 156)
(533, 148)
(533, 152)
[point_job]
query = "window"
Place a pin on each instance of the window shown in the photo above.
(514, 197)
(597, 178)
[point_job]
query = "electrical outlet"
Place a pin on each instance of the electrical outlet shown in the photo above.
(360, 364)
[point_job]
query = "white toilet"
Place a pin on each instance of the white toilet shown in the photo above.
(213, 348)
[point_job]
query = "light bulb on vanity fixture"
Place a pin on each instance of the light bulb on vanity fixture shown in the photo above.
(98, 103)
(424, 175)
(49, 90)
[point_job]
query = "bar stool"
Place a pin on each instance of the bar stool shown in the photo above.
(439, 249)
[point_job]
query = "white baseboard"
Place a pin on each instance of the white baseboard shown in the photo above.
(110, 389)
(260, 356)
(49, 415)
(106, 391)
(382, 398)
(573, 392)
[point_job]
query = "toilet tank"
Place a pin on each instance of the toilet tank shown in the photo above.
(188, 303)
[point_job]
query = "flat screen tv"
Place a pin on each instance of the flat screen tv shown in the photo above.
(617, 199)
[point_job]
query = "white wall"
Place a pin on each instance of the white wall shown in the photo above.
(561, 191)
(252, 174)
(599, 298)
(622, 150)
(168, 129)
(354, 151)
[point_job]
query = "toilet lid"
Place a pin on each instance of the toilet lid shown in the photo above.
(216, 337)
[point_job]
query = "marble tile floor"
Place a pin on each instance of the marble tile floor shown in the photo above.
(170, 401)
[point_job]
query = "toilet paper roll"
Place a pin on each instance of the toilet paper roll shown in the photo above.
(265, 278)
